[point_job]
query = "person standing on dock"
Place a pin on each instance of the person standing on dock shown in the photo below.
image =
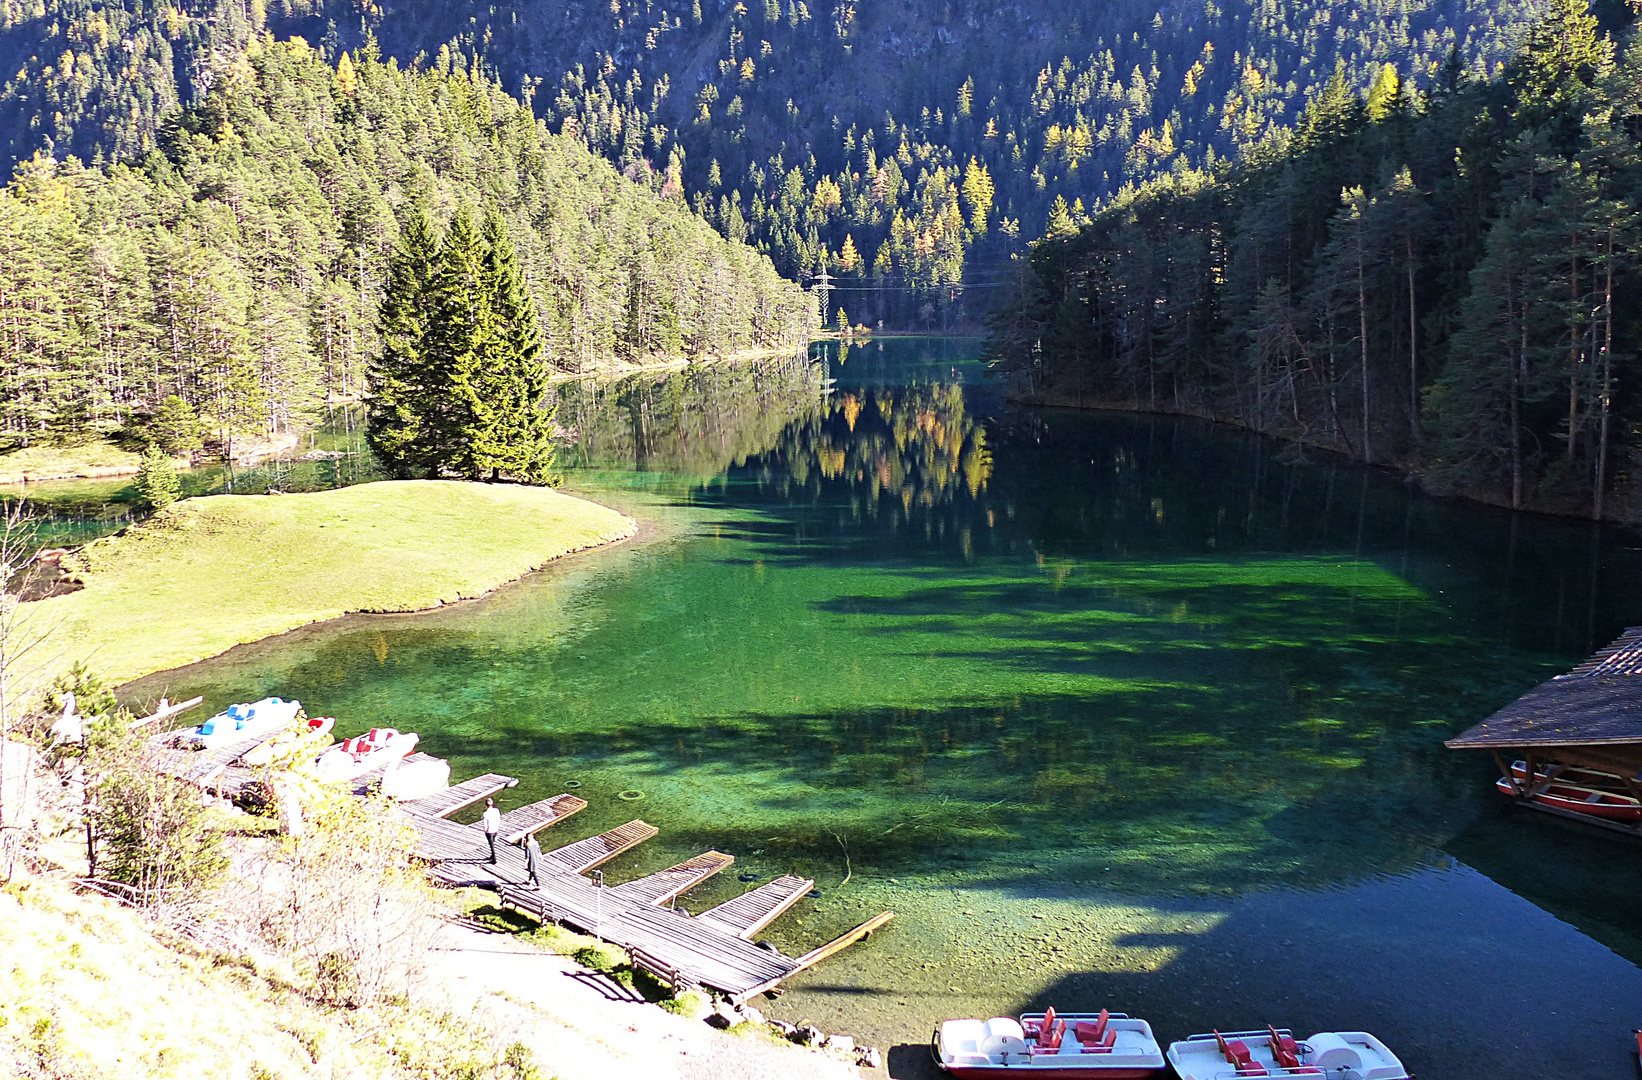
(533, 860)
(492, 824)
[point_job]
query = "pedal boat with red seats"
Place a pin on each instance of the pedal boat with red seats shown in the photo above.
(1583, 791)
(1067, 1046)
(357, 756)
(1274, 1052)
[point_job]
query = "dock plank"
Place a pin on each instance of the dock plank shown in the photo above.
(520, 823)
(715, 953)
(752, 911)
(665, 886)
(711, 957)
(584, 855)
(460, 796)
(200, 767)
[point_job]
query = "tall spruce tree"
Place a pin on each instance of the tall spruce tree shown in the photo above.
(460, 384)
(515, 436)
(460, 324)
(403, 382)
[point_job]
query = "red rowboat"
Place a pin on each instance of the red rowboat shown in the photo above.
(1072, 1046)
(1590, 795)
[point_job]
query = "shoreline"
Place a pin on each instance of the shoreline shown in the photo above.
(150, 687)
(1392, 469)
(216, 572)
(623, 369)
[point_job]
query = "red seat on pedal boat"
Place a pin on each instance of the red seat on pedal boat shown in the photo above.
(1287, 1053)
(1237, 1053)
(1090, 1034)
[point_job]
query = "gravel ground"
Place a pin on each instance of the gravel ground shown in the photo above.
(582, 1026)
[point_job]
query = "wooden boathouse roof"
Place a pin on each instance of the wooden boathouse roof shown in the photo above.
(1597, 705)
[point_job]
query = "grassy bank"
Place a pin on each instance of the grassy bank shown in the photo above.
(94, 459)
(214, 572)
(67, 1008)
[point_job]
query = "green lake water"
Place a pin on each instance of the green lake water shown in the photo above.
(1111, 710)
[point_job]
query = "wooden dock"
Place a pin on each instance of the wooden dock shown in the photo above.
(752, 911)
(213, 768)
(665, 886)
(597, 850)
(528, 820)
(463, 795)
(714, 950)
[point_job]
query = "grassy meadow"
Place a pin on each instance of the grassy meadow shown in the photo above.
(66, 462)
(211, 573)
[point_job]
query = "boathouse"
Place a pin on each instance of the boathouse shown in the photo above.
(1589, 718)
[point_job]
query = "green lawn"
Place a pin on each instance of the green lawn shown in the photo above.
(66, 462)
(213, 572)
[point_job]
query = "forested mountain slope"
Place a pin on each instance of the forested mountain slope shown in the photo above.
(1454, 284)
(233, 273)
(895, 142)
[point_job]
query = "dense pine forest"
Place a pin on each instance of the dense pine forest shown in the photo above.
(226, 278)
(906, 146)
(1446, 279)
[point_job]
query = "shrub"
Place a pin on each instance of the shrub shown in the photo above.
(151, 832)
(343, 901)
(157, 480)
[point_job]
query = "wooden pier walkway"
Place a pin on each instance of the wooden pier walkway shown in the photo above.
(463, 795)
(520, 823)
(584, 855)
(665, 886)
(204, 768)
(752, 911)
(713, 950)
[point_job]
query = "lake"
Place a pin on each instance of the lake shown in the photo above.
(1112, 710)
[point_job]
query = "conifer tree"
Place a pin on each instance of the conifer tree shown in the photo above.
(513, 433)
(156, 480)
(460, 322)
(403, 383)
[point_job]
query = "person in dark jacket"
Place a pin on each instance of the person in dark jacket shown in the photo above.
(533, 859)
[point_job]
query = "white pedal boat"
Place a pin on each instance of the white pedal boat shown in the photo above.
(354, 757)
(1108, 1045)
(238, 723)
(311, 732)
(416, 779)
(1274, 1052)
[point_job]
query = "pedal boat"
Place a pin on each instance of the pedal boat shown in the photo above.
(239, 723)
(1274, 1052)
(352, 758)
(1108, 1045)
(416, 780)
(310, 732)
(1581, 791)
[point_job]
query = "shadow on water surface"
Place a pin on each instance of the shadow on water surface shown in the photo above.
(1461, 978)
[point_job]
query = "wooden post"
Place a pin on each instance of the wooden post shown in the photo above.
(1505, 771)
(838, 945)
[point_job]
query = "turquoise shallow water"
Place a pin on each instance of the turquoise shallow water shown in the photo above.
(1110, 709)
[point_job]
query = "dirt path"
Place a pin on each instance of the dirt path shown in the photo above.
(583, 1026)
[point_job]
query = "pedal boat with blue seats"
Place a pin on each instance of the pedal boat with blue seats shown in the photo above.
(1274, 1052)
(239, 723)
(1067, 1046)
